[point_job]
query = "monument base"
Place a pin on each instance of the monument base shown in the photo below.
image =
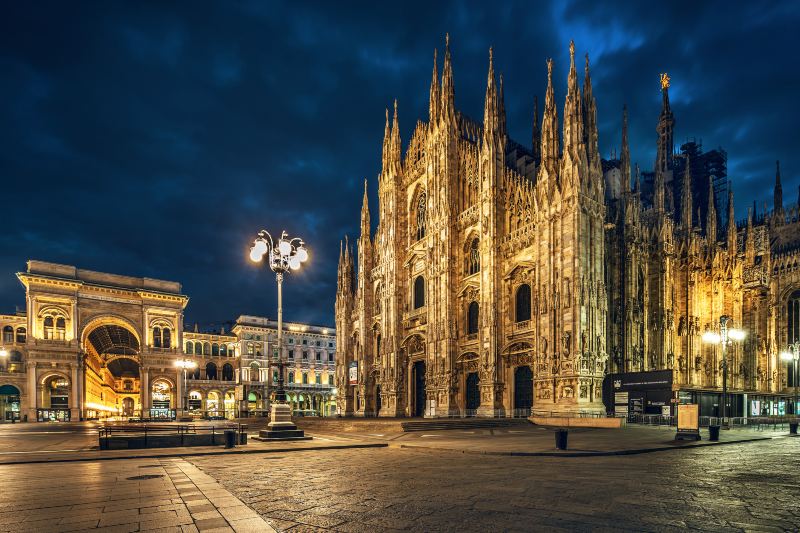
(281, 426)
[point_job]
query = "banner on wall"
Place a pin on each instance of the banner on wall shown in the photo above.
(353, 373)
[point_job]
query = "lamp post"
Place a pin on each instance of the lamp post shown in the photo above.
(282, 256)
(3, 354)
(185, 364)
(793, 355)
(723, 338)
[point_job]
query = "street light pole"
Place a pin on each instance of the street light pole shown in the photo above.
(185, 364)
(793, 355)
(726, 335)
(284, 256)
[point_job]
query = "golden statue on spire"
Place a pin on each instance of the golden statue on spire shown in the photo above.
(664, 81)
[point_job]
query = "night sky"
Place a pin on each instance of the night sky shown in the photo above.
(156, 139)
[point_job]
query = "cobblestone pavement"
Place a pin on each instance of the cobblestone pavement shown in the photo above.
(736, 487)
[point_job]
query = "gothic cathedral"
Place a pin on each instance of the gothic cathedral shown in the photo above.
(503, 277)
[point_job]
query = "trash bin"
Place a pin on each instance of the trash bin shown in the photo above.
(230, 438)
(713, 432)
(242, 434)
(561, 439)
(793, 428)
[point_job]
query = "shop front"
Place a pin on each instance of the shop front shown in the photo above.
(9, 403)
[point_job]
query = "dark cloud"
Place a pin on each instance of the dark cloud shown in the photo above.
(155, 139)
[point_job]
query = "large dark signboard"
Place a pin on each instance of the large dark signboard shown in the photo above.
(638, 392)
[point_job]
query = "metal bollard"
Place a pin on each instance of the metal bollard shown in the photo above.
(561, 439)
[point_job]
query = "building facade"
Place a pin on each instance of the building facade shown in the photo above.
(503, 278)
(92, 345)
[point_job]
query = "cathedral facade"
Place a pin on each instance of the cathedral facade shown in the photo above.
(503, 278)
(482, 290)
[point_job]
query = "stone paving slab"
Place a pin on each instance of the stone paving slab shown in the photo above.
(133, 495)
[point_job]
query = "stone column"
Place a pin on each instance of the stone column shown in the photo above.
(75, 394)
(144, 390)
(179, 398)
(32, 391)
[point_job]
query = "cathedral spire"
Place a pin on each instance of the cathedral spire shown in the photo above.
(394, 143)
(448, 107)
(386, 150)
(658, 192)
(537, 133)
(590, 117)
(434, 96)
(731, 223)
(666, 125)
(778, 191)
(686, 197)
(711, 214)
(549, 128)
(573, 119)
(625, 156)
(491, 112)
(365, 230)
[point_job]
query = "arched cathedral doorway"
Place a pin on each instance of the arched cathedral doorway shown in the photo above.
(472, 394)
(523, 390)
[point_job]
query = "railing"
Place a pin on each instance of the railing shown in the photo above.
(579, 413)
(169, 435)
(755, 422)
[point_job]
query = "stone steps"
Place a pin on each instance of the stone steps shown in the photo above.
(462, 423)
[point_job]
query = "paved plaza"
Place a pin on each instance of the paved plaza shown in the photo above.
(749, 486)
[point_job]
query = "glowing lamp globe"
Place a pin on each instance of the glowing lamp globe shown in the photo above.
(294, 263)
(302, 254)
(786, 356)
(284, 247)
(711, 338)
(261, 246)
(255, 255)
(736, 334)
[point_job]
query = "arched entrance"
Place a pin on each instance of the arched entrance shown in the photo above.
(230, 404)
(9, 403)
(195, 402)
(55, 399)
(112, 376)
(473, 394)
(127, 406)
(523, 390)
(161, 400)
(418, 408)
(213, 405)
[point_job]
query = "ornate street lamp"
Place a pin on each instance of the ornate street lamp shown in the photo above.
(185, 364)
(793, 355)
(725, 336)
(282, 257)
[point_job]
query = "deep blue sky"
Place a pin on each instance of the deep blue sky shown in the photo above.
(155, 140)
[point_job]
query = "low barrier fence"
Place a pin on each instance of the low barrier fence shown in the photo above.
(754, 422)
(167, 436)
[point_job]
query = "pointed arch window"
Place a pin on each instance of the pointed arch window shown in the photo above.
(473, 258)
(190, 347)
(419, 292)
(422, 203)
(215, 349)
(523, 303)
(472, 318)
